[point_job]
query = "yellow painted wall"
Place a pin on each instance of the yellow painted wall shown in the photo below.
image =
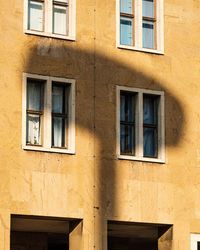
(93, 184)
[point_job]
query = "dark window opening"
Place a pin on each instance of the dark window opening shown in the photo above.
(42, 233)
(139, 236)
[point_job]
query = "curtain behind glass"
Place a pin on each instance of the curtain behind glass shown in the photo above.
(149, 110)
(127, 139)
(148, 8)
(60, 19)
(150, 113)
(126, 31)
(58, 132)
(127, 108)
(148, 34)
(150, 138)
(59, 115)
(127, 125)
(33, 129)
(34, 96)
(126, 6)
(148, 24)
(35, 15)
(57, 99)
(57, 107)
(34, 111)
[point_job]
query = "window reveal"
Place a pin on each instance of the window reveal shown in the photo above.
(140, 124)
(48, 107)
(54, 18)
(140, 25)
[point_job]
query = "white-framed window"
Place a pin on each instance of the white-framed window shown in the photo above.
(140, 25)
(53, 18)
(48, 118)
(195, 242)
(140, 124)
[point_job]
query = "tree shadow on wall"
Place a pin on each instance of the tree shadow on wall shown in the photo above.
(96, 78)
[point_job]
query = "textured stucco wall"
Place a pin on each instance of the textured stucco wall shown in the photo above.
(93, 184)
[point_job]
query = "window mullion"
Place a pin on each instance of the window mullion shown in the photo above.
(24, 105)
(138, 23)
(155, 25)
(140, 124)
(161, 128)
(71, 117)
(26, 15)
(70, 20)
(48, 16)
(47, 111)
(118, 120)
(159, 25)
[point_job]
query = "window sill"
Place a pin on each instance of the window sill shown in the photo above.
(37, 33)
(50, 150)
(144, 159)
(152, 51)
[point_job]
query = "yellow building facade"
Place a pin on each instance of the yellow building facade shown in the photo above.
(93, 188)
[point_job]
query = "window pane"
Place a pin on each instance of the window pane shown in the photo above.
(60, 93)
(150, 110)
(57, 99)
(60, 19)
(127, 139)
(127, 107)
(126, 6)
(33, 129)
(148, 34)
(150, 142)
(58, 132)
(148, 8)
(122, 107)
(126, 31)
(34, 95)
(35, 16)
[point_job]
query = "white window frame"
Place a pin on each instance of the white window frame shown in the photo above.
(47, 114)
(139, 125)
(138, 28)
(194, 239)
(48, 21)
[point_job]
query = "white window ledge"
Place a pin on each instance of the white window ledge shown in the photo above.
(51, 150)
(145, 159)
(152, 51)
(38, 33)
